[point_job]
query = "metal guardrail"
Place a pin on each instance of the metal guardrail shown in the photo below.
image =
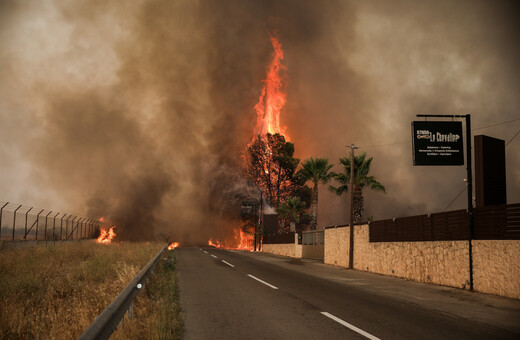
(106, 322)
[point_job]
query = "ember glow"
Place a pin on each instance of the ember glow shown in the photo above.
(273, 97)
(242, 240)
(106, 236)
(173, 245)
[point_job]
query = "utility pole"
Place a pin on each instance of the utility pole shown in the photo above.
(351, 247)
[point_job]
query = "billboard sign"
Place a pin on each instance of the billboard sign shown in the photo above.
(437, 143)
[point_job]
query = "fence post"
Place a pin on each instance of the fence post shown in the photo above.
(72, 227)
(61, 226)
(38, 223)
(26, 215)
(45, 235)
(67, 227)
(14, 218)
(54, 226)
(80, 228)
(1, 219)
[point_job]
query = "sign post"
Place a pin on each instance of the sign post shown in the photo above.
(440, 146)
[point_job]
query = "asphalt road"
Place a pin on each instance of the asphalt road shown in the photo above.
(242, 295)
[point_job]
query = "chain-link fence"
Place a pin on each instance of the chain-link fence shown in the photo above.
(19, 222)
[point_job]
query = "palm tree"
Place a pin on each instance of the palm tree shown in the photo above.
(361, 180)
(291, 209)
(316, 170)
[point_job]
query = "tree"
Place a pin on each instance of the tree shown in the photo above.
(271, 167)
(361, 180)
(316, 170)
(291, 209)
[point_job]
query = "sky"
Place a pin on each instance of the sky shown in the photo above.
(139, 110)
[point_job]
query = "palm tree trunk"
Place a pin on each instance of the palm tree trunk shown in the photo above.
(358, 203)
(314, 202)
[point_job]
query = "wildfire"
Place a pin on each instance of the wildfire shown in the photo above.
(173, 245)
(242, 241)
(106, 236)
(273, 97)
(101, 219)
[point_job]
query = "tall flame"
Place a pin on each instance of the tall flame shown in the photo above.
(273, 97)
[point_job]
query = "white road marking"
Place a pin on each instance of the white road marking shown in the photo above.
(229, 264)
(214, 256)
(262, 281)
(352, 327)
(205, 251)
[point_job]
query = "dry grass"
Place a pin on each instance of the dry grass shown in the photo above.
(157, 312)
(55, 292)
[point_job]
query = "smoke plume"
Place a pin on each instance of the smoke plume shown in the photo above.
(138, 111)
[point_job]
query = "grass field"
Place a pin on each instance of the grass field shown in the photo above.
(55, 292)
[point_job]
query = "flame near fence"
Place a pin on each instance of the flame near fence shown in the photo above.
(19, 222)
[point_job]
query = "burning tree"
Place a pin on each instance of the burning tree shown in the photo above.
(271, 167)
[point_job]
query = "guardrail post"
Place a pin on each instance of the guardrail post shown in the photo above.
(14, 218)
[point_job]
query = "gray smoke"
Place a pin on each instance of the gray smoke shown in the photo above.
(139, 111)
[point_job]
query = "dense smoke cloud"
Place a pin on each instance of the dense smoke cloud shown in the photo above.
(138, 111)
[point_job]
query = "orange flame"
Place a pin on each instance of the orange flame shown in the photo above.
(101, 219)
(106, 236)
(273, 97)
(173, 245)
(242, 241)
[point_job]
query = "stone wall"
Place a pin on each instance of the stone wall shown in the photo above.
(442, 262)
(496, 267)
(289, 249)
(496, 264)
(337, 246)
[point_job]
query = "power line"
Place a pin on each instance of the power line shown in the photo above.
(480, 128)
(516, 134)
(449, 205)
(485, 127)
